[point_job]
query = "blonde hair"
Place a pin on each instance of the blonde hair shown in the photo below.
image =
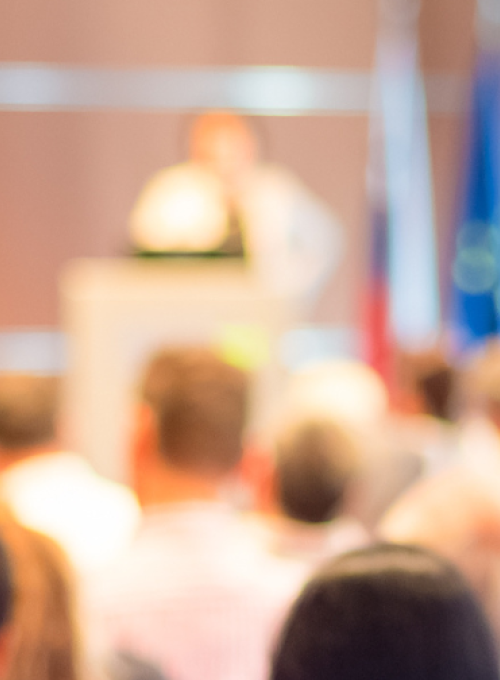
(45, 644)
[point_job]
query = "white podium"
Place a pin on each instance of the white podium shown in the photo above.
(117, 312)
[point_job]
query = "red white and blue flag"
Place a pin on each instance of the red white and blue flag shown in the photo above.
(404, 306)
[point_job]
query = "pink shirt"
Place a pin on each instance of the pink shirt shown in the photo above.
(197, 595)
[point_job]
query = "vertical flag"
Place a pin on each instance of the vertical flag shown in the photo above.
(476, 268)
(399, 114)
(378, 336)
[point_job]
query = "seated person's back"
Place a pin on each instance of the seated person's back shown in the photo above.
(305, 494)
(194, 594)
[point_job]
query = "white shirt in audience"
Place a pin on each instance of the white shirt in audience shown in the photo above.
(59, 494)
(310, 544)
(196, 595)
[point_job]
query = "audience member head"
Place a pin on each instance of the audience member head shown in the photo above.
(315, 461)
(28, 411)
(480, 388)
(44, 643)
(352, 394)
(199, 404)
(6, 587)
(427, 383)
(386, 612)
(6, 607)
(346, 390)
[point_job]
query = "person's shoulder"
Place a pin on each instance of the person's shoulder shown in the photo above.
(441, 508)
(273, 176)
(346, 533)
(117, 499)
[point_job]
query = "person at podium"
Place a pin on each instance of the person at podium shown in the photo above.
(224, 202)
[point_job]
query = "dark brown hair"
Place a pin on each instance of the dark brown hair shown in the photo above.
(315, 460)
(386, 612)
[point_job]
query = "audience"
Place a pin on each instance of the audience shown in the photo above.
(457, 512)
(52, 490)
(386, 613)
(427, 406)
(353, 394)
(201, 591)
(426, 383)
(195, 593)
(480, 421)
(46, 639)
(306, 496)
(6, 607)
(45, 642)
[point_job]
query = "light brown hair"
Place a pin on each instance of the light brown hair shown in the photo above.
(45, 643)
(200, 406)
(28, 410)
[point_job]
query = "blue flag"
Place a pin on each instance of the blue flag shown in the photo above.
(476, 268)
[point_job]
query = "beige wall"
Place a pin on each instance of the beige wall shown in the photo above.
(68, 179)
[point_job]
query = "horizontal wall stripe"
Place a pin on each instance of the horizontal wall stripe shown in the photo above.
(44, 350)
(33, 350)
(447, 93)
(257, 90)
